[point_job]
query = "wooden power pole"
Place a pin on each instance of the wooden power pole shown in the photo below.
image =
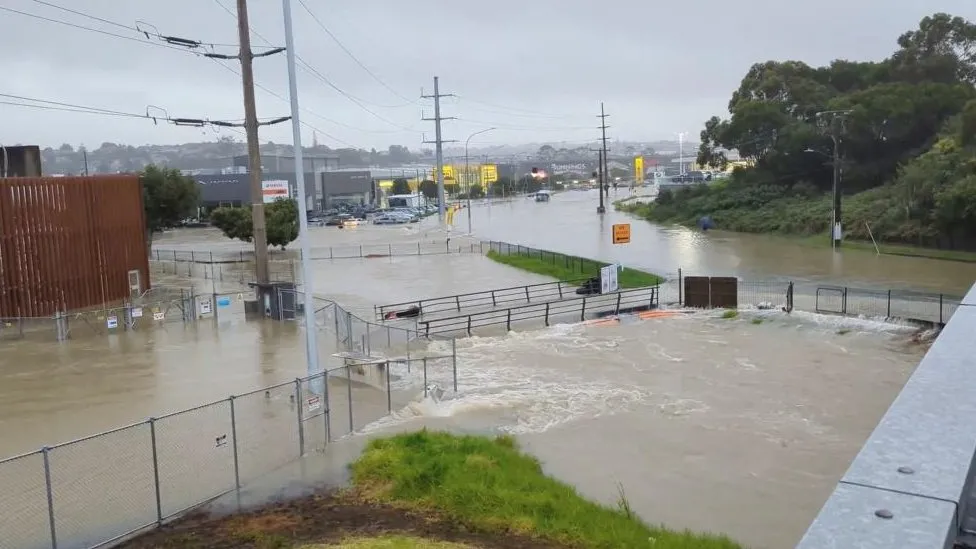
(253, 148)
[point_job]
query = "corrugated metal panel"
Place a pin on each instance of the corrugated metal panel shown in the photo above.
(68, 243)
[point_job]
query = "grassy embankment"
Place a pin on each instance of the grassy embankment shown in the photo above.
(804, 219)
(429, 490)
(562, 267)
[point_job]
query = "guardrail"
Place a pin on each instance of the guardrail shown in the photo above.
(911, 485)
(901, 304)
(546, 291)
(573, 309)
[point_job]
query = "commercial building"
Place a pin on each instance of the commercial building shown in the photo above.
(314, 163)
(350, 187)
(321, 189)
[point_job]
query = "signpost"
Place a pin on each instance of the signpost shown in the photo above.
(608, 279)
(621, 233)
(275, 189)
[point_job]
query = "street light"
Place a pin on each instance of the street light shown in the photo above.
(467, 176)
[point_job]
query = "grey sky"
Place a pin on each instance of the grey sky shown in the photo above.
(535, 69)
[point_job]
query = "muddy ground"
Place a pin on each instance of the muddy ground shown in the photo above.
(325, 517)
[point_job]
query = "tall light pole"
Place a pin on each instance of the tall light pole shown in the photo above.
(681, 153)
(311, 349)
(467, 176)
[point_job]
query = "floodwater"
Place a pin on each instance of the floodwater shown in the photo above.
(569, 224)
(740, 426)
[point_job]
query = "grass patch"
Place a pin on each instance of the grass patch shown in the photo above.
(757, 321)
(730, 313)
(566, 267)
(489, 485)
(392, 542)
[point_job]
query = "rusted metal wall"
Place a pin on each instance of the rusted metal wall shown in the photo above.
(725, 292)
(697, 292)
(68, 243)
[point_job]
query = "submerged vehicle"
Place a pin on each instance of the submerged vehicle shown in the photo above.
(542, 196)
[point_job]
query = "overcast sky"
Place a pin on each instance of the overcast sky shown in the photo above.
(534, 69)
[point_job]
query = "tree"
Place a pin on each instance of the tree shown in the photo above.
(281, 219)
(429, 189)
(400, 185)
(169, 197)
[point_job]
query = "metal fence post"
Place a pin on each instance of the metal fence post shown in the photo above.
(941, 319)
(680, 289)
(233, 437)
(425, 376)
(844, 305)
(45, 454)
(300, 417)
(155, 466)
(454, 360)
(349, 395)
(389, 391)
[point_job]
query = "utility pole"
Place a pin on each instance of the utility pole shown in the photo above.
(604, 166)
(260, 231)
(599, 179)
(833, 122)
(439, 145)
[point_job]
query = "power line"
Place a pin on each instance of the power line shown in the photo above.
(526, 112)
(92, 29)
(309, 69)
(134, 28)
(354, 58)
(50, 105)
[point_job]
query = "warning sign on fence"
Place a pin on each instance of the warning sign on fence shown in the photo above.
(314, 404)
(112, 322)
(137, 312)
(159, 315)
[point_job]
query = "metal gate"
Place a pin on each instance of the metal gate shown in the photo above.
(724, 292)
(696, 292)
(315, 430)
(831, 300)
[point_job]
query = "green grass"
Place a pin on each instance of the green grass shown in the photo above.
(730, 314)
(489, 485)
(391, 542)
(565, 267)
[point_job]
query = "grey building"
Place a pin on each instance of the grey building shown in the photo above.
(235, 189)
(355, 187)
(321, 189)
(314, 163)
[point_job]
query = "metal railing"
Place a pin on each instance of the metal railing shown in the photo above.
(438, 247)
(584, 266)
(911, 485)
(576, 309)
(501, 297)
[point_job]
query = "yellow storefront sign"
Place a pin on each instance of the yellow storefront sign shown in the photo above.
(489, 174)
(639, 169)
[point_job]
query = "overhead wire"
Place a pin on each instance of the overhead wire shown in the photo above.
(311, 70)
(356, 59)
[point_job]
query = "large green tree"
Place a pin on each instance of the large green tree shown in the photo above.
(281, 219)
(169, 198)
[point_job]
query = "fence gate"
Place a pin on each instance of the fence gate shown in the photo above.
(315, 413)
(724, 292)
(831, 300)
(697, 292)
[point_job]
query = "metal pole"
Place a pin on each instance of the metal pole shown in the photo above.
(233, 436)
(454, 358)
(467, 174)
(45, 454)
(835, 229)
(439, 151)
(349, 396)
(301, 417)
(155, 462)
(311, 349)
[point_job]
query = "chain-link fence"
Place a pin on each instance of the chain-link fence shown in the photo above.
(934, 308)
(355, 251)
(101, 488)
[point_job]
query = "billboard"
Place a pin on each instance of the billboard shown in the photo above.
(274, 189)
(489, 174)
(639, 169)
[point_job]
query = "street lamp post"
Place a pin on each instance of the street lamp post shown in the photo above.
(467, 176)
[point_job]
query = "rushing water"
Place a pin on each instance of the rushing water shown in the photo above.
(733, 425)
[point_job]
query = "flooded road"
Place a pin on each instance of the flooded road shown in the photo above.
(743, 424)
(569, 224)
(738, 426)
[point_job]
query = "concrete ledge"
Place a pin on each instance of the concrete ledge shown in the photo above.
(922, 450)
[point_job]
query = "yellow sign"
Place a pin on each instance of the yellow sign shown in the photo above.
(621, 233)
(489, 174)
(639, 169)
(448, 172)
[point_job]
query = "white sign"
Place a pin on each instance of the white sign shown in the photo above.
(608, 279)
(314, 404)
(159, 315)
(206, 307)
(275, 189)
(137, 312)
(112, 322)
